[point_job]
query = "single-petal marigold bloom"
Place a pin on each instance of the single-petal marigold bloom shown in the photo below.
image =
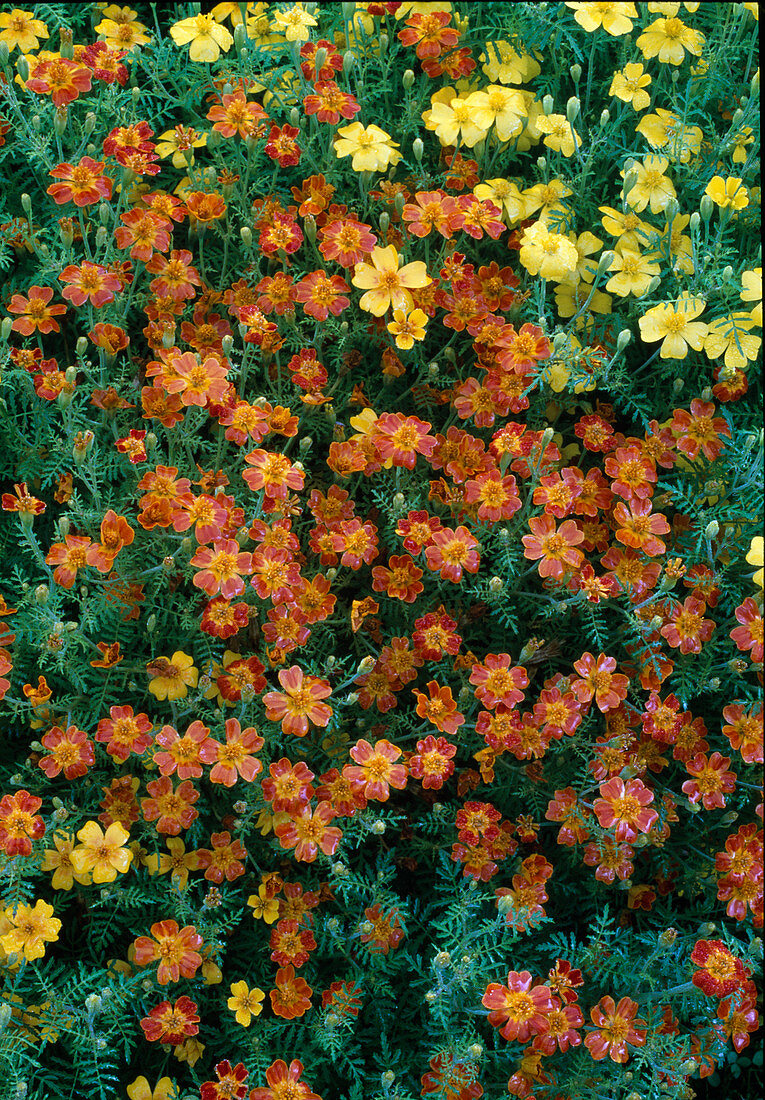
(31, 927)
(749, 635)
(171, 1024)
(321, 294)
(433, 762)
(61, 79)
(375, 769)
(20, 823)
(310, 832)
(206, 38)
(23, 503)
(292, 996)
(300, 703)
(687, 629)
(20, 29)
(699, 430)
(235, 114)
(518, 1009)
(245, 1002)
(623, 808)
(103, 854)
(399, 439)
(88, 283)
(68, 557)
(176, 277)
(668, 39)
(234, 758)
(452, 551)
(329, 103)
(36, 313)
(386, 284)
(720, 971)
(370, 148)
(288, 786)
(617, 1027)
(555, 546)
(439, 708)
(614, 18)
(284, 1083)
(638, 527)
(346, 241)
(600, 682)
(273, 473)
(185, 755)
(70, 752)
(83, 183)
(220, 568)
(675, 324)
(124, 733)
(496, 683)
(177, 950)
(400, 579)
(171, 678)
(204, 207)
(710, 780)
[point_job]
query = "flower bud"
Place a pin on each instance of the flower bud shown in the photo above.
(623, 339)
(712, 530)
(246, 234)
(541, 163)
(727, 274)
(365, 665)
(320, 59)
(378, 827)
(294, 117)
(605, 262)
(573, 108)
(349, 10)
(309, 226)
(654, 284)
(5, 54)
(388, 1077)
(548, 105)
(384, 42)
(668, 937)
(677, 385)
(22, 68)
(63, 526)
(102, 236)
(418, 149)
(60, 120)
(706, 207)
(407, 80)
(605, 118)
(576, 73)
(348, 59)
(431, 996)
(496, 584)
(26, 203)
(442, 959)
(5, 328)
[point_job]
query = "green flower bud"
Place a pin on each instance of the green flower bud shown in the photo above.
(407, 80)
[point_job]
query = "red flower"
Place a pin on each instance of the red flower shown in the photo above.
(399, 439)
(496, 496)
(322, 294)
(638, 527)
(171, 1024)
(617, 1028)
(282, 147)
(37, 315)
(497, 683)
(720, 971)
(60, 78)
(433, 762)
(124, 732)
(329, 102)
(556, 546)
(687, 629)
(400, 579)
(517, 1009)
(749, 635)
(231, 1083)
(185, 755)
(451, 552)
(172, 809)
(599, 681)
(310, 832)
(711, 780)
(440, 709)
(430, 34)
(375, 769)
(20, 823)
(83, 184)
(71, 752)
(234, 759)
(699, 430)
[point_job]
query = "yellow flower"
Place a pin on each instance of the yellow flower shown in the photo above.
(20, 28)
(102, 853)
(727, 193)
(547, 198)
(632, 231)
(504, 108)
(675, 324)
(267, 821)
(755, 558)
(176, 860)
(732, 337)
(560, 135)
(568, 363)
(633, 274)
(165, 1089)
(59, 861)
(616, 19)
(751, 282)
(570, 299)
(122, 35)
(680, 246)
(363, 423)
(370, 148)
(651, 185)
(420, 7)
(386, 284)
(548, 255)
(294, 23)
(504, 194)
(180, 143)
(743, 138)
(454, 123)
(501, 61)
(211, 972)
(665, 130)
(629, 85)
(263, 907)
(190, 1051)
(33, 927)
(245, 1002)
(207, 37)
(406, 328)
(586, 267)
(668, 39)
(171, 678)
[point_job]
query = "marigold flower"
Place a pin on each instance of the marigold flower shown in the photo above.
(172, 809)
(623, 808)
(687, 629)
(83, 183)
(439, 708)
(614, 18)
(207, 38)
(370, 148)
(618, 1027)
(710, 780)
(171, 1024)
(719, 972)
(70, 752)
(177, 950)
(184, 755)
(387, 285)
(547, 254)
(629, 86)
(300, 703)
(308, 832)
(102, 853)
(292, 996)
(37, 314)
(20, 823)
(245, 1002)
(89, 283)
(171, 678)
(451, 552)
(20, 29)
(31, 927)
(375, 769)
(284, 1083)
(518, 1009)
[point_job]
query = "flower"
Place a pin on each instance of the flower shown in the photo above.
(176, 949)
(167, 1023)
(165, 1089)
(668, 39)
(614, 18)
(293, 23)
(375, 769)
(207, 37)
(83, 183)
(719, 972)
(452, 551)
(300, 703)
(292, 996)
(629, 86)
(185, 755)
(370, 148)
(407, 327)
(518, 1009)
(37, 314)
(623, 808)
(20, 823)
(452, 120)
(617, 1027)
(171, 678)
(556, 546)
(102, 854)
(439, 708)
(310, 832)
(245, 1002)
(20, 29)
(755, 557)
(731, 336)
(386, 283)
(599, 681)
(547, 254)
(675, 324)
(729, 193)
(284, 1083)
(58, 860)
(31, 928)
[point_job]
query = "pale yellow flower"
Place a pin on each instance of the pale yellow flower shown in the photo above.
(122, 35)
(502, 62)
(32, 927)
(547, 198)
(614, 18)
(454, 123)
(19, 28)
(504, 194)
(665, 130)
(751, 284)
(548, 255)
(731, 336)
(140, 1089)
(180, 143)
(102, 854)
(675, 324)
(560, 135)
(727, 193)
(370, 148)
(386, 284)
(503, 108)
(755, 558)
(668, 39)
(629, 85)
(652, 187)
(207, 37)
(634, 274)
(570, 298)
(406, 328)
(294, 23)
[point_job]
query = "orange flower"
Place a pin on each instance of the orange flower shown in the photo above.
(221, 568)
(175, 948)
(518, 1009)
(599, 681)
(61, 79)
(124, 732)
(185, 755)
(68, 557)
(19, 823)
(623, 808)
(433, 763)
(309, 832)
(37, 315)
(300, 703)
(273, 473)
(205, 208)
(236, 115)
(375, 769)
(234, 759)
(26, 505)
(400, 579)
(556, 546)
(116, 533)
(70, 752)
(440, 709)
(83, 184)
(639, 527)
(451, 552)
(617, 1028)
(291, 998)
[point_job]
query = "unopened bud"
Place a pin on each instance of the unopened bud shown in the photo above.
(246, 234)
(623, 339)
(605, 262)
(102, 236)
(60, 120)
(365, 665)
(727, 273)
(573, 108)
(22, 68)
(706, 394)
(348, 60)
(496, 584)
(576, 73)
(151, 624)
(548, 105)
(26, 203)
(384, 42)
(706, 207)
(5, 54)
(6, 328)
(294, 117)
(407, 80)
(668, 937)
(384, 222)
(442, 959)
(677, 385)
(309, 226)
(541, 163)
(654, 284)
(320, 60)
(63, 526)
(418, 149)
(712, 530)
(605, 118)
(378, 827)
